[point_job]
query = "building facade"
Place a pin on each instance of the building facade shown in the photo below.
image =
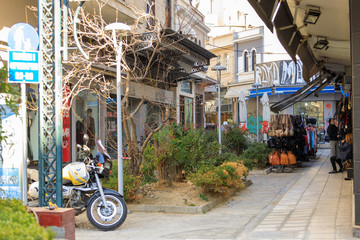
(184, 91)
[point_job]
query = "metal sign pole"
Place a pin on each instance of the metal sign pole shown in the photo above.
(24, 144)
(50, 103)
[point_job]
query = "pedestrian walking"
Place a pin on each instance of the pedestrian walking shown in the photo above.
(333, 133)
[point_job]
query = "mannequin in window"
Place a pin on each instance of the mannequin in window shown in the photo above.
(89, 128)
(79, 132)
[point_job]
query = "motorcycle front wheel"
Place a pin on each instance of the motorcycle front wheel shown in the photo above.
(110, 217)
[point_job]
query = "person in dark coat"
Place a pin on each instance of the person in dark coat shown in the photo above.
(332, 132)
(345, 151)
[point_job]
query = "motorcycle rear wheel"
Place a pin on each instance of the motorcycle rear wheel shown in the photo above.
(110, 218)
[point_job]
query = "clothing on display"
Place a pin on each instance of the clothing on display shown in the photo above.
(293, 135)
(343, 117)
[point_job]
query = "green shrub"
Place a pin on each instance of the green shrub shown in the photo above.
(249, 163)
(16, 223)
(234, 139)
(219, 179)
(225, 157)
(195, 150)
(177, 148)
(148, 166)
(130, 183)
(257, 153)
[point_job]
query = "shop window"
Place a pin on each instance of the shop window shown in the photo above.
(154, 116)
(87, 118)
(313, 109)
(186, 86)
(199, 111)
(226, 106)
(186, 111)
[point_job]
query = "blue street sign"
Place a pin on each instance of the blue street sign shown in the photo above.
(23, 36)
(23, 66)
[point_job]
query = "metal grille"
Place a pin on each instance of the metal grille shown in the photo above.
(50, 148)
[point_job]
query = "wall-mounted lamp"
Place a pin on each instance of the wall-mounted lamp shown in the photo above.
(321, 44)
(312, 15)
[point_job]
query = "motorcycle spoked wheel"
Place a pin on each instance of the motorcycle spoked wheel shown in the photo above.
(109, 218)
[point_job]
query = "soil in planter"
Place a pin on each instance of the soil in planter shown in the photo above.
(178, 194)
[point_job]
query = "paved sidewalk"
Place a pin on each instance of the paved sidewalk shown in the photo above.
(317, 206)
(308, 203)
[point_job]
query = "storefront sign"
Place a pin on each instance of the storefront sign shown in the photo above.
(279, 73)
(66, 125)
(23, 67)
(23, 41)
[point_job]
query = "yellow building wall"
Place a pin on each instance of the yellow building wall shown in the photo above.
(12, 12)
(221, 46)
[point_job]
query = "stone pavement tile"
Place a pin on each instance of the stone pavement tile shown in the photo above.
(292, 229)
(322, 225)
(344, 233)
(313, 229)
(266, 229)
(275, 235)
(324, 213)
(316, 236)
(302, 224)
(276, 225)
(300, 216)
(322, 219)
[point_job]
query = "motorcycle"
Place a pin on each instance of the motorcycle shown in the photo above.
(82, 190)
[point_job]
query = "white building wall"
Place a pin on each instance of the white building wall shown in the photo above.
(273, 50)
(224, 19)
(228, 16)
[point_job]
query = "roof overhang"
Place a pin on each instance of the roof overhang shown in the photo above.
(192, 51)
(316, 86)
(287, 31)
(266, 10)
(299, 38)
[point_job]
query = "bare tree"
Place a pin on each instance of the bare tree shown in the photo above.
(150, 57)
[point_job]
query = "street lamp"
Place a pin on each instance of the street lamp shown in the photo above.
(257, 85)
(218, 68)
(121, 27)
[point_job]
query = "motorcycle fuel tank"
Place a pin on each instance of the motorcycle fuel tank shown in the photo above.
(75, 172)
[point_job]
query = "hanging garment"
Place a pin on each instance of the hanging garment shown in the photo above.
(265, 127)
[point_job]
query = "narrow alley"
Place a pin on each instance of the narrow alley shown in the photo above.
(308, 203)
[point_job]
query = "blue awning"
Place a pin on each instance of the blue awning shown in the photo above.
(289, 90)
(111, 100)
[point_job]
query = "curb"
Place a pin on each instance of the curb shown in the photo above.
(261, 172)
(184, 209)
